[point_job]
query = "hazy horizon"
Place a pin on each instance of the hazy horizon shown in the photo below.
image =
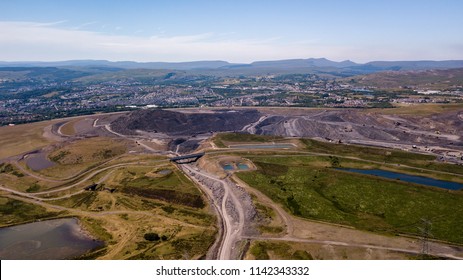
(232, 31)
(216, 60)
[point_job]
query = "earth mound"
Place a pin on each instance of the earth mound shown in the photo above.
(178, 123)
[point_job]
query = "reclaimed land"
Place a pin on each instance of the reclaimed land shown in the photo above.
(309, 187)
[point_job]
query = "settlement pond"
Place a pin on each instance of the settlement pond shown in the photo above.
(46, 240)
(231, 166)
(407, 178)
(264, 146)
(38, 161)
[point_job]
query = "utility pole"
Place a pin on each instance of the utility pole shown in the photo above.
(425, 231)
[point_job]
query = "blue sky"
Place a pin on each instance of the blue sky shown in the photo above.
(236, 31)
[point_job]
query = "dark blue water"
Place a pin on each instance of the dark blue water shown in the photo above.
(408, 178)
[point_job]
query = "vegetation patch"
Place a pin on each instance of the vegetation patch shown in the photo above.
(88, 150)
(33, 188)
(193, 245)
(286, 250)
(172, 196)
(95, 227)
(7, 168)
(261, 250)
(17, 212)
(365, 202)
(173, 187)
(152, 236)
(379, 155)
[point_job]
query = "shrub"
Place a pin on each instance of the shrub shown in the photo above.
(151, 236)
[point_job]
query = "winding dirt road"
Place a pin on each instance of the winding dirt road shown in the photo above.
(232, 228)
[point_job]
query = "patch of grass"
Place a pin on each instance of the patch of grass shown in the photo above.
(272, 169)
(271, 229)
(168, 209)
(202, 218)
(422, 109)
(377, 154)
(83, 200)
(261, 250)
(365, 202)
(88, 150)
(16, 212)
(172, 188)
(34, 188)
(82, 155)
(381, 155)
(96, 229)
(93, 255)
(193, 245)
(7, 168)
(172, 196)
(57, 157)
(285, 250)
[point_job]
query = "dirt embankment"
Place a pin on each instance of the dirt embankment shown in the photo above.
(443, 129)
(177, 123)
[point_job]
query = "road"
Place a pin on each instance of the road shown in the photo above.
(348, 244)
(228, 207)
(35, 195)
(292, 153)
(232, 228)
(251, 128)
(412, 246)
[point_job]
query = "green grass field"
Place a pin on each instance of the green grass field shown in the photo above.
(15, 212)
(381, 155)
(308, 188)
(172, 187)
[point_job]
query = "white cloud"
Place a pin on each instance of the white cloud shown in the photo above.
(31, 41)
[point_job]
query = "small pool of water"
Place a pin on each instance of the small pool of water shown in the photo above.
(263, 146)
(407, 178)
(39, 161)
(228, 167)
(165, 172)
(45, 240)
(242, 166)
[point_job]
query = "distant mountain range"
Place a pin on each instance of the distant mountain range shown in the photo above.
(311, 63)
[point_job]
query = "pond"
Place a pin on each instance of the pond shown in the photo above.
(38, 161)
(242, 166)
(165, 172)
(46, 240)
(233, 166)
(263, 146)
(407, 178)
(228, 167)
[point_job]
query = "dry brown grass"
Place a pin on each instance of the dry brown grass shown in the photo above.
(82, 154)
(68, 128)
(22, 138)
(419, 109)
